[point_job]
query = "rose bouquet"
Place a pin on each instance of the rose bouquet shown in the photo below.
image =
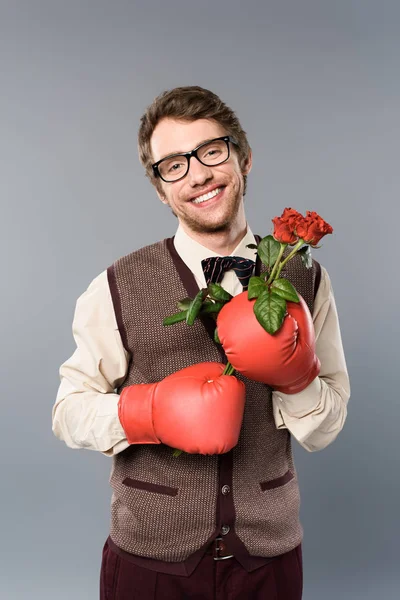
(267, 331)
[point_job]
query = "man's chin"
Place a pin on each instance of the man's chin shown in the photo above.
(203, 226)
(209, 227)
(217, 227)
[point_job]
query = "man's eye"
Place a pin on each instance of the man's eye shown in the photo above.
(175, 166)
(213, 152)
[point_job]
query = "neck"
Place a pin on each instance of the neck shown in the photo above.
(222, 242)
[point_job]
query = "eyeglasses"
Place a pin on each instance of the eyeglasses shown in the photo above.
(176, 166)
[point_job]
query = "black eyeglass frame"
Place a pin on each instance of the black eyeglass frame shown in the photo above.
(188, 156)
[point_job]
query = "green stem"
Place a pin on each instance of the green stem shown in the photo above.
(229, 370)
(281, 251)
(283, 263)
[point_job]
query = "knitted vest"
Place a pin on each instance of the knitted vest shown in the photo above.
(164, 507)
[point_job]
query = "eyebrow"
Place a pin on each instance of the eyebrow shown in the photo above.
(186, 151)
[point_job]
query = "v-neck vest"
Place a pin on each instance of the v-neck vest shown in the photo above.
(165, 507)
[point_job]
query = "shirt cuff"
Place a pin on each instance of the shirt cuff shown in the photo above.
(300, 404)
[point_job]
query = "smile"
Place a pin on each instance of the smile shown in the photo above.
(208, 196)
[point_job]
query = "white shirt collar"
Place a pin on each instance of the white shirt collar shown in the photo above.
(192, 252)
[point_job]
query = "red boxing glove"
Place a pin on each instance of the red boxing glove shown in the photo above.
(196, 409)
(285, 360)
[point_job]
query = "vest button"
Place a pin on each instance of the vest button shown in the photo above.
(225, 529)
(225, 489)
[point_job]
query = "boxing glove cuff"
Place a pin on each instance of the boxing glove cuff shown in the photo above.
(303, 382)
(135, 412)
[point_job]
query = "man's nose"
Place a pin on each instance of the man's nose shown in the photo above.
(198, 173)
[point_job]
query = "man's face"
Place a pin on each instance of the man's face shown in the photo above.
(217, 214)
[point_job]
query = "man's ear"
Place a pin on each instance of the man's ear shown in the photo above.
(247, 164)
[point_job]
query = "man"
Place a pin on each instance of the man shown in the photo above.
(222, 519)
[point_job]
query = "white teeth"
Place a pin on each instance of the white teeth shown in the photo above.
(205, 197)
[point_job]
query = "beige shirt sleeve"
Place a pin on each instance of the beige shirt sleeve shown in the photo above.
(85, 414)
(316, 415)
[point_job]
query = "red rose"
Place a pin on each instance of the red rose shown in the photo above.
(285, 226)
(312, 228)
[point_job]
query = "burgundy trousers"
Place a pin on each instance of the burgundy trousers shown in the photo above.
(281, 579)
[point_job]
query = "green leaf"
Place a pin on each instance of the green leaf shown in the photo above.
(270, 311)
(176, 318)
(184, 304)
(177, 453)
(217, 292)
(216, 336)
(256, 286)
(195, 306)
(211, 307)
(283, 288)
(305, 254)
(252, 246)
(268, 250)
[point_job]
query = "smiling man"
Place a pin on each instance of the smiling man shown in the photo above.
(207, 198)
(222, 519)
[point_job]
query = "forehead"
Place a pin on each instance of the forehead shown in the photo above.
(172, 135)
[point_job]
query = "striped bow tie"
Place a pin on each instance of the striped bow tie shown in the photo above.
(214, 268)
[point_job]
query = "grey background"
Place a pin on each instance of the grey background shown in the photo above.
(316, 87)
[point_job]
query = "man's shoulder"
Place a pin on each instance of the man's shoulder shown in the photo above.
(103, 281)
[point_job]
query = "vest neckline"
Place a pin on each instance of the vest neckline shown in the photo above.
(190, 284)
(186, 274)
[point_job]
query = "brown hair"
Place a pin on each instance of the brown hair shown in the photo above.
(188, 103)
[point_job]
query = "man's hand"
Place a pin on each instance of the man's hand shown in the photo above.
(196, 409)
(285, 360)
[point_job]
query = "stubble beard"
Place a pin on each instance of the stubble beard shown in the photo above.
(201, 227)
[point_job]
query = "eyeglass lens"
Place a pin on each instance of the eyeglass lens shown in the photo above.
(212, 153)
